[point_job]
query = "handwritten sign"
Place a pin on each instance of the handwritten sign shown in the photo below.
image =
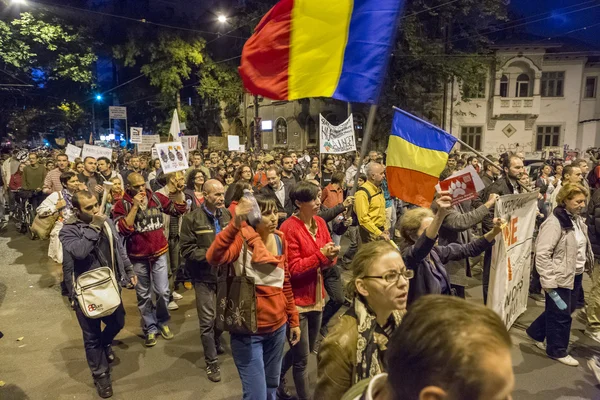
(147, 142)
(337, 139)
(172, 156)
(72, 152)
(96, 152)
(136, 135)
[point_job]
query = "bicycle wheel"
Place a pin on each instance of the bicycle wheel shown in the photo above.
(29, 217)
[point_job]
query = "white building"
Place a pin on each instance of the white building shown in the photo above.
(535, 96)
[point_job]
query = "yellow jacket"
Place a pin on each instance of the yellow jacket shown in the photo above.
(371, 215)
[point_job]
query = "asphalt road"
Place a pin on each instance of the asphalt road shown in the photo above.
(42, 356)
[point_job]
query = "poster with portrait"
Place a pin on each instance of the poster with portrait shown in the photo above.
(172, 156)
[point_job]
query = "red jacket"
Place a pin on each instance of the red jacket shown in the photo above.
(146, 239)
(331, 197)
(16, 181)
(274, 298)
(305, 258)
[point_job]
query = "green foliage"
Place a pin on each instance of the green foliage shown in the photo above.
(221, 84)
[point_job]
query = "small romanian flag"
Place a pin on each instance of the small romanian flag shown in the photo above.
(416, 156)
(321, 48)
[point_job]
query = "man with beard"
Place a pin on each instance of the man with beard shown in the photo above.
(106, 170)
(280, 192)
(138, 216)
(198, 230)
(91, 178)
(289, 176)
(134, 166)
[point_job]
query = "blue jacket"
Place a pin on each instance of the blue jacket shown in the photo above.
(79, 241)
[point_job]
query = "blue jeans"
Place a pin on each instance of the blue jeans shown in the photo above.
(152, 276)
(258, 361)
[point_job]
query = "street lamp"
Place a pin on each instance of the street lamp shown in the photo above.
(222, 19)
(18, 2)
(98, 97)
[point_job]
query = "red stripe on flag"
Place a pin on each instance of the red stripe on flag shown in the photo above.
(266, 55)
(411, 186)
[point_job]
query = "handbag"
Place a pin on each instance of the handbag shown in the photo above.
(236, 301)
(42, 226)
(97, 291)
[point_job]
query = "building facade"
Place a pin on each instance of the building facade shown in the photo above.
(535, 97)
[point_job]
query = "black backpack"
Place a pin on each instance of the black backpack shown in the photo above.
(592, 177)
(369, 197)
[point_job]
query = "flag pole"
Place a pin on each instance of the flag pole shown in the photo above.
(365, 141)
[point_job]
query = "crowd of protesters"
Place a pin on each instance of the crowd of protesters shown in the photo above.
(163, 233)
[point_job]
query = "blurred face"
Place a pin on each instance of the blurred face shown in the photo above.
(156, 164)
(88, 208)
(143, 163)
(475, 163)
(575, 176)
(73, 184)
(62, 162)
(273, 179)
(384, 293)
(237, 164)
(360, 182)
(576, 205)
(199, 181)
(228, 162)
(377, 174)
(229, 179)
(372, 155)
(134, 163)
(247, 173)
(584, 167)
(214, 157)
(524, 180)
(314, 169)
(329, 165)
(214, 194)
(21, 167)
(137, 184)
(80, 167)
(309, 208)
(208, 164)
(288, 164)
(178, 181)
(294, 157)
(452, 163)
(90, 165)
(516, 169)
(49, 166)
(103, 166)
(197, 160)
(117, 187)
(268, 222)
(558, 170)
(546, 170)
(33, 159)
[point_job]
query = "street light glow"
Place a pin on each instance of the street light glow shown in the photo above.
(99, 97)
(18, 2)
(222, 19)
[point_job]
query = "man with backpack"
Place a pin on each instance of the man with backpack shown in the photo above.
(138, 216)
(369, 205)
(90, 245)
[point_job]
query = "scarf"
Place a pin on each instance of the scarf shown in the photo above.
(372, 339)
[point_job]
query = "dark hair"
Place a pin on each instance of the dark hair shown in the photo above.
(363, 177)
(191, 184)
(303, 192)
(62, 155)
(236, 159)
(238, 190)
(486, 164)
(105, 159)
(568, 170)
(445, 174)
(506, 158)
(578, 162)
(238, 172)
(85, 159)
(274, 168)
(441, 342)
(75, 200)
(49, 162)
(470, 159)
(266, 204)
(66, 177)
(338, 177)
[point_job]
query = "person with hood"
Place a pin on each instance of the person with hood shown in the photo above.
(91, 241)
(261, 251)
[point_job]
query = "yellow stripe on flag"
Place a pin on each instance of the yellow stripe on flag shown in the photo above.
(318, 38)
(404, 154)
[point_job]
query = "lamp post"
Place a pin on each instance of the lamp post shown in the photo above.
(98, 97)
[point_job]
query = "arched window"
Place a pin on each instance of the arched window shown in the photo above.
(523, 85)
(504, 82)
(311, 130)
(332, 119)
(281, 131)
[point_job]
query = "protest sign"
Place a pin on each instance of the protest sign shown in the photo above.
(233, 143)
(511, 256)
(72, 152)
(172, 157)
(462, 185)
(147, 142)
(190, 143)
(79, 143)
(136, 135)
(337, 139)
(217, 143)
(154, 153)
(96, 152)
(242, 148)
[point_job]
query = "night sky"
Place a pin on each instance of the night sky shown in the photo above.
(564, 18)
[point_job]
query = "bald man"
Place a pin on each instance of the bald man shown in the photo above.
(198, 230)
(139, 218)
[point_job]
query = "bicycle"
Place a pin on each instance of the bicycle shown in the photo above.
(24, 212)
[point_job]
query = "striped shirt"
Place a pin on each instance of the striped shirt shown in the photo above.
(52, 182)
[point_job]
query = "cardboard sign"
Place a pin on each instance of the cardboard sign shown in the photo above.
(233, 143)
(217, 143)
(337, 139)
(462, 185)
(172, 157)
(511, 256)
(72, 152)
(147, 142)
(117, 112)
(96, 152)
(190, 143)
(136, 135)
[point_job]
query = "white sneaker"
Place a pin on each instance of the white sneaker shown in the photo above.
(593, 365)
(541, 345)
(172, 306)
(177, 296)
(593, 335)
(568, 360)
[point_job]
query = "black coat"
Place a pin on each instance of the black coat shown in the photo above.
(287, 207)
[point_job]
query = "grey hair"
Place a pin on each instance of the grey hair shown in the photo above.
(370, 167)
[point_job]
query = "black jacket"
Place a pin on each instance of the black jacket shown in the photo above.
(501, 187)
(593, 223)
(287, 207)
(196, 235)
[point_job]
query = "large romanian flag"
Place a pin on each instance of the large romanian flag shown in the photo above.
(321, 48)
(416, 156)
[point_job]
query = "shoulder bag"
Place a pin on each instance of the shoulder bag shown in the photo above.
(42, 226)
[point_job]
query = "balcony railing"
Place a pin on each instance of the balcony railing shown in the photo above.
(519, 105)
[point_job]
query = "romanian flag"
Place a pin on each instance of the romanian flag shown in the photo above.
(416, 156)
(321, 48)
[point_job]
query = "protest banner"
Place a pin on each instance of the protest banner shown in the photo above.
(511, 256)
(337, 139)
(462, 185)
(233, 143)
(190, 143)
(96, 152)
(136, 135)
(147, 142)
(72, 152)
(172, 157)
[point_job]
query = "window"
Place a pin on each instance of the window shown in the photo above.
(504, 86)
(552, 84)
(471, 135)
(590, 87)
(311, 130)
(523, 85)
(547, 136)
(474, 90)
(281, 131)
(359, 126)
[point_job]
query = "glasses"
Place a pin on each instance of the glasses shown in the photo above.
(394, 276)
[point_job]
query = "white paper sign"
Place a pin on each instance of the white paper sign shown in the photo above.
(154, 153)
(136, 135)
(337, 139)
(242, 148)
(72, 152)
(172, 156)
(233, 142)
(147, 142)
(511, 256)
(190, 143)
(96, 152)
(117, 112)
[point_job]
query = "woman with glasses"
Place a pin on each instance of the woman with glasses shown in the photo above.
(355, 346)
(193, 192)
(421, 253)
(242, 174)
